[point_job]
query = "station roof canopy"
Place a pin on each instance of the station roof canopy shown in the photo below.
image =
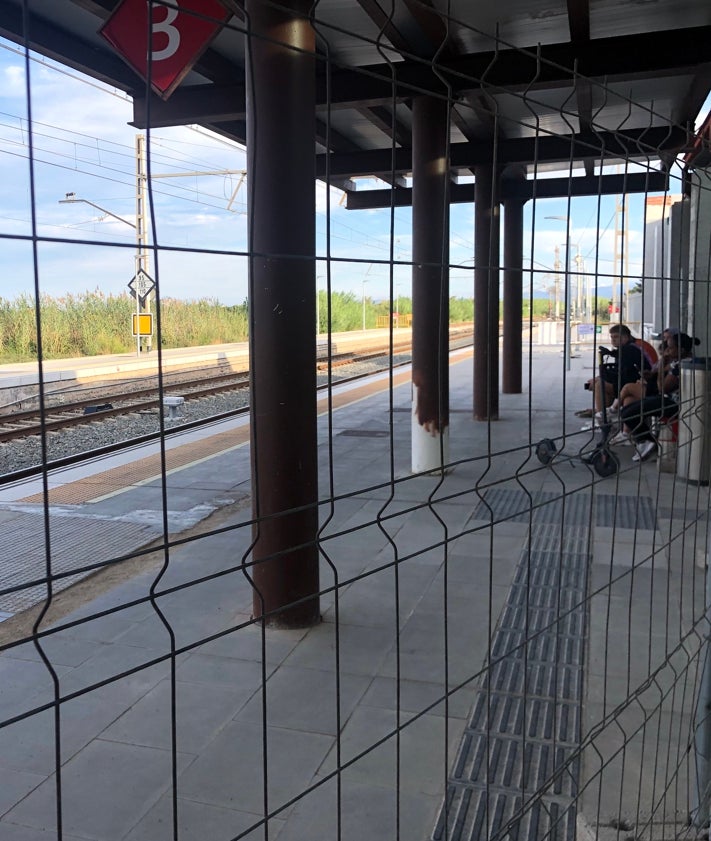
(544, 83)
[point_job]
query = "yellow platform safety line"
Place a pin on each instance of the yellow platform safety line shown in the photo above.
(145, 471)
(148, 470)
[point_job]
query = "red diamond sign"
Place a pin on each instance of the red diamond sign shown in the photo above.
(180, 30)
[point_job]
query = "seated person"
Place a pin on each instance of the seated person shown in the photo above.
(667, 332)
(663, 403)
(646, 385)
(628, 368)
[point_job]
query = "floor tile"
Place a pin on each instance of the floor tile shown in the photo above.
(228, 772)
(199, 822)
(306, 699)
(105, 789)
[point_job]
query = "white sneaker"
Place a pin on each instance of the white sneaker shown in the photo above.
(622, 439)
(611, 417)
(644, 450)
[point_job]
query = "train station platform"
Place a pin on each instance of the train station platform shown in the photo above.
(507, 643)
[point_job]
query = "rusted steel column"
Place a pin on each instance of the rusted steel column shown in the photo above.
(513, 296)
(280, 116)
(430, 285)
(486, 296)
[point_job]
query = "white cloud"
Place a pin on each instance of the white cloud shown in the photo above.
(14, 81)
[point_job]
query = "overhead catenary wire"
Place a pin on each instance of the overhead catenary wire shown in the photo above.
(176, 191)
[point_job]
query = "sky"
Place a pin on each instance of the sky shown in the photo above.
(83, 144)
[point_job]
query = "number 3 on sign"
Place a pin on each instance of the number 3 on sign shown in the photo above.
(179, 32)
(165, 27)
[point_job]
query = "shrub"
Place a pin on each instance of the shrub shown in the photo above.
(93, 324)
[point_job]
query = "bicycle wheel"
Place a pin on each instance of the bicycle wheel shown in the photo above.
(605, 463)
(546, 450)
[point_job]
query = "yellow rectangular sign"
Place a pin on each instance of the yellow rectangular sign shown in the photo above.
(142, 324)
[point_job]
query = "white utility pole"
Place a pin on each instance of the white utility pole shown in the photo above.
(141, 237)
(556, 268)
(142, 282)
(567, 327)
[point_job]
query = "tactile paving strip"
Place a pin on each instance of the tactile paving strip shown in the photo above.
(503, 504)
(517, 769)
(545, 507)
(625, 512)
(529, 717)
(556, 540)
(75, 542)
(479, 817)
(566, 510)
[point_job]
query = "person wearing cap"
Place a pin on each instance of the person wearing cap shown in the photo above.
(667, 332)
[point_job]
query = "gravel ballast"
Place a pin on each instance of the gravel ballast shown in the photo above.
(26, 453)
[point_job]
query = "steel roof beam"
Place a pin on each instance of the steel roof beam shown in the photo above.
(647, 54)
(644, 55)
(193, 104)
(546, 149)
(228, 130)
(429, 20)
(238, 128)
(579, 25)
(100, 8)
(329, 138)
(545, 188)
(385, 24)
(378, 114)
(686, 111)
(382, 119)
(180, 110)
(579, 20)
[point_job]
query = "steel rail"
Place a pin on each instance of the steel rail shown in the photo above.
(25, 424)
(119, 446)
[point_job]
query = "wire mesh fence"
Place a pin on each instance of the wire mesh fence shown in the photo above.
(511, 645)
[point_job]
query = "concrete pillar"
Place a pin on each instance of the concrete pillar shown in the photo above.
(513, 295)
(486, 295)
(280, 151)
(430, 285)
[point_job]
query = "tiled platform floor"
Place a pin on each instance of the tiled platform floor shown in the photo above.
(367, 712)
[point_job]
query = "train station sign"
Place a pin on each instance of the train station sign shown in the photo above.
(140, 286)
(179, 33)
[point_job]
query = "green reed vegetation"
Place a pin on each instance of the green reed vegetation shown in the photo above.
(92, 323)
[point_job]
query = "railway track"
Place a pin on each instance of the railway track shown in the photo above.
(114, 403)
(56, 418)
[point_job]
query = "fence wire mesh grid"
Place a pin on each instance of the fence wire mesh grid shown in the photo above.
(416, 605)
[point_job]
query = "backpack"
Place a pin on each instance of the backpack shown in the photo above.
(648, 350)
